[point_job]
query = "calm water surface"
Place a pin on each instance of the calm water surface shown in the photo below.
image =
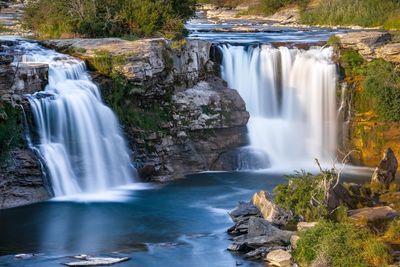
(179, 224)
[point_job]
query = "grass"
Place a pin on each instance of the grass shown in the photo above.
(341, 245)
(367, 13)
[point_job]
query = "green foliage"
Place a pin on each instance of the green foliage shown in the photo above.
(393, 232)
(271, 6)
(352, 62)
(382, 84)
(333, 41)
(98, 18)
(297, 195)
(10, 130)
(367, 13)
(342, 245)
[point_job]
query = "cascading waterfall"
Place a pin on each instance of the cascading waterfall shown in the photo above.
(79, 137)
(291, 97)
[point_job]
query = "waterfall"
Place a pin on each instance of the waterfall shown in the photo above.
(291, 97)
(78, 136)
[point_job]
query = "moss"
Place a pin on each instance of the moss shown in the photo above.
(333, 41)
(11, 131)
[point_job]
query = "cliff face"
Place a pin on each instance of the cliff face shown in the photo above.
(179, 117)
(21, 177)
(362, 127)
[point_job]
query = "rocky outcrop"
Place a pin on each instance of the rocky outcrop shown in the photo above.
(21, 180)
(255, 236)
(270, 211)
(371, 214)
(178, 115)
(280, 258)
(371, 45)
(385, 173)
(21, 177)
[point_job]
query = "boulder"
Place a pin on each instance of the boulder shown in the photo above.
(304, 226)
(385, 173)
(244, 209)
(339, 195)
(371, 214)
(259, 227)
(261, 252)
(270, 211)
(280, 258)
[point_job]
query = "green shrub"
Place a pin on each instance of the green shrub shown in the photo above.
(10, 130)
(100, 18)
(297, 196)
(382, 84)
(352, 62)
(342, 245)
(368, 13)
(393, 232)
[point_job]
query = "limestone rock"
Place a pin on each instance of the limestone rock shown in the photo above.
(270, 211)
(280, 258)
(293, 241)
(371, 214)
(385, 173)
(389, 52)
(304, 226)
(365, 42)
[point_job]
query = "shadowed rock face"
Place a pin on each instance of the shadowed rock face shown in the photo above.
(385, 173)
(21, 180)
(21, 177)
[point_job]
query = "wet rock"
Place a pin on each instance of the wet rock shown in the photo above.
(304, 226)
(270, 211)
(243, 158)
(385, 173)
(95, 261)
(371, 214)
(280, 258)
(261, 252)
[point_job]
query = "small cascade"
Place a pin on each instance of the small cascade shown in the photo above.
(78, 136)
(291, 97)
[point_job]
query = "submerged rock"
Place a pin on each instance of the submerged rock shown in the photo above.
(280, 258)
(385, 173)
(95, 261)
(270, 211)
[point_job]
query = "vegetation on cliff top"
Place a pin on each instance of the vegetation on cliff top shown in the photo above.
(100, 18)
(366, 13)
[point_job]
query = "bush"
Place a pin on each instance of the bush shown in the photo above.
(382, 84)
(297, 195)
(367, 13)
(10, 130)
(100, 18)
(342, 245)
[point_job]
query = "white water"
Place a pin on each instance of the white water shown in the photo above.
(79, 137)
(291, 97)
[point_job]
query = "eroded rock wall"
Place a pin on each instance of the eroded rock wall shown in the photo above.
(179, 117)
(21, 177)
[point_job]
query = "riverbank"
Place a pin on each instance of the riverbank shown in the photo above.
(316, 220)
